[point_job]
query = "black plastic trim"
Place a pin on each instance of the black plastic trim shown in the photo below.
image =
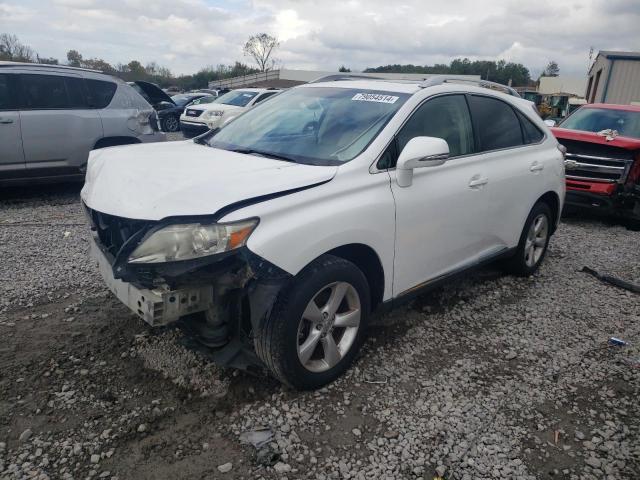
(429, 285)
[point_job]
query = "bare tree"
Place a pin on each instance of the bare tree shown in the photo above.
(260, 47)
(12, 49)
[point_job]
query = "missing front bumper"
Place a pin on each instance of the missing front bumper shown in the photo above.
(156, 306)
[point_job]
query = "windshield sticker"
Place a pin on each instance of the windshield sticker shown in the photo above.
(375, 97)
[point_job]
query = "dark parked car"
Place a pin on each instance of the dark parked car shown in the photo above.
(169, 108)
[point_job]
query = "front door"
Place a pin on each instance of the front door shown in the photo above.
(441, 217)
(11, 154)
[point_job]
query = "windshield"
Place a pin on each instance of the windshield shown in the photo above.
(181, 100)
(597, 119)
(200, 101)
(239, 98)
(318, 125)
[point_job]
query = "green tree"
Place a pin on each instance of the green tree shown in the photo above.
(344, 69)
(500, 71)
(552, 70)
(98, 64)
(74, 58)
(47, 61)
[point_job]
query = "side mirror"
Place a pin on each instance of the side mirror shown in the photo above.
(550, 123)
(420, 152)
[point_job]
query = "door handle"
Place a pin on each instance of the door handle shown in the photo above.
(536, 167)
(6, 121)
(478, 181)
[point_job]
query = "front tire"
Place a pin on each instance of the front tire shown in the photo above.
(534, 241)
(170, 123)
(317, 325)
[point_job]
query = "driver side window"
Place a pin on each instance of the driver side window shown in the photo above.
(445, 117)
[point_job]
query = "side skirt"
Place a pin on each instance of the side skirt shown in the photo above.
(425, 287)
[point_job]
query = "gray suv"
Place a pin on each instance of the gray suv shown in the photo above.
(51, 116)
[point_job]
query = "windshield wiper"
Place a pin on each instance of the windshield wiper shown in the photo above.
(275, 156)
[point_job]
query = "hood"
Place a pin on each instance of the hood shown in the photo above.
(153, 93)
(626, 143)
(159, 180)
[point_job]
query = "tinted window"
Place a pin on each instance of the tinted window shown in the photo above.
(44, 92)
(389, 157)
(496, 122)
(6, 98)
(264, 97)
(444, 117)
(529, 130)
(100, 92)
(75, 91)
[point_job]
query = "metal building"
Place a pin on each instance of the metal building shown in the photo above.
(614, 77)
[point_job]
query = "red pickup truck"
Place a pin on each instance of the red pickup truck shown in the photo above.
(602, 164)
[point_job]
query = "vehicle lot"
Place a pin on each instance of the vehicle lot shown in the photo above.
(490, 377)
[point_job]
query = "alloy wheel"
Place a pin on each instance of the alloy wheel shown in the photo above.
(171, 124)
(329, 326)
(536, 241)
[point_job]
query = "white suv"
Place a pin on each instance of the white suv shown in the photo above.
(198, 119)
(273, 238)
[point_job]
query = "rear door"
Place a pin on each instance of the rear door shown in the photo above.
(58, 127)
(11, 153)
(515, 158)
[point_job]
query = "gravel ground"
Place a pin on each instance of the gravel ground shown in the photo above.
(492, 377)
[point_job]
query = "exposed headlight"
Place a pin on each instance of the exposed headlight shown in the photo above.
(192, 240)
(212, 113)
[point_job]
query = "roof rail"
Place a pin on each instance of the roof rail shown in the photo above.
(46, 65)
(440, 79)
(338, 77)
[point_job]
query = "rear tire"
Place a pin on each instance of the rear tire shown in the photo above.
(534, 241)
(317, 325)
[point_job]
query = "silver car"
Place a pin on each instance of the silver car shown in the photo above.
(51, 116)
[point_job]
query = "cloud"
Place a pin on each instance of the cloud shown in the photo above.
(186, 35)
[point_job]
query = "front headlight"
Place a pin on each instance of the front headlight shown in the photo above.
(212, 114)
(192, 240)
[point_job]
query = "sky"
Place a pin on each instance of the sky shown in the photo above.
(187, 35)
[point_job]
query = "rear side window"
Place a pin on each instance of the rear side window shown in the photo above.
(44, 92)
(100, 92)
(75, 92)
(264, 97)
(530, 132)
(496, 123)
(7, 99)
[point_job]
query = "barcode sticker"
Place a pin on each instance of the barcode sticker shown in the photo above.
(374, 97)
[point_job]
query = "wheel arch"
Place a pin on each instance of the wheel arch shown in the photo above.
(552, 199)
(367, 260)
(115, 141)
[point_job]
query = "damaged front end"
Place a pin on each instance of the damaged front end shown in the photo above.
(219, 300)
